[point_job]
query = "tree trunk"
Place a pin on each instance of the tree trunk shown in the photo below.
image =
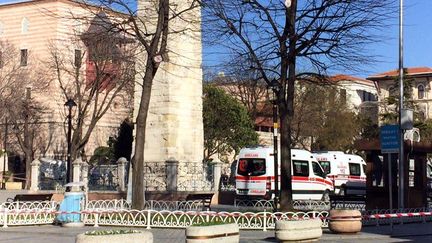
(288, 63)
(138, 190)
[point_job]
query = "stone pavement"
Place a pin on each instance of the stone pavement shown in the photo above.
(48, 233)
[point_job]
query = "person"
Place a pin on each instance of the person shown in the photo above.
(110, 178)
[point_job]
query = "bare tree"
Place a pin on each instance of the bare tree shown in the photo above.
(19, 111)
(149, 23)
(94, 77)
(278, 36)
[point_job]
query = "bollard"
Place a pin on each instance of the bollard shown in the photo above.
(5, 218)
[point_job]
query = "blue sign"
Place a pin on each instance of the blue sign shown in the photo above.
(389, 138)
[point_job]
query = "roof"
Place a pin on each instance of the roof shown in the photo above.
(343, 77)
(412, 71)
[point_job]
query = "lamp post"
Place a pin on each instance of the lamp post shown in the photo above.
(70, 103)
(275, 87)
(4, 155)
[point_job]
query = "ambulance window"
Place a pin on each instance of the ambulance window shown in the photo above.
(317, 169)
(354, 169)
(301, 168)
(251, 167)
(325, 166)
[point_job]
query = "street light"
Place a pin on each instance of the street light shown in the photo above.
(70, 103)
(4, 155)
(275, 87)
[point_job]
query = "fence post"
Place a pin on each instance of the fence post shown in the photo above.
(148, 219)
(5, 218)
(96, 224)
(208, 216)
(217, 173)
(171, 174)
(76, 169)
(265, 220)
(121, 174)
(34, 182)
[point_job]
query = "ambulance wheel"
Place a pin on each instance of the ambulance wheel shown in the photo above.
(326, 196)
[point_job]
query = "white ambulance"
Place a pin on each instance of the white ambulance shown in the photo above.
(255, 175)
(347, 171)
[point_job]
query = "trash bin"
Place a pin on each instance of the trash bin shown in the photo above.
(72, 205)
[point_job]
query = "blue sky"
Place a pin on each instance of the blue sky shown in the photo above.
(418, 41)
(417, 37)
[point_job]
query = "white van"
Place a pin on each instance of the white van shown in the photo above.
(347, 171)
(255, 175)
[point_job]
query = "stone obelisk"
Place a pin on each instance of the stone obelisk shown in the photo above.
(174, 134)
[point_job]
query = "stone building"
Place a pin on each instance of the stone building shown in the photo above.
(35, 29)
(361, 94)
(420, 79)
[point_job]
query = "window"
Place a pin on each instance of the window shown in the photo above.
(317, 170)
(24, 25)
(78, 58)
(326, 166)
(421, 91)
(251, 167)
(343, 95)
(354, 169)
(367, 96)
(301, 168)
(24, 56)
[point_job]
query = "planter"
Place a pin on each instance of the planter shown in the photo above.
(345, 221)
(13, 185)
(298, 230)
(116, 236)
(227, 233)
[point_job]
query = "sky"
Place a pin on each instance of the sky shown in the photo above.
(417, 41)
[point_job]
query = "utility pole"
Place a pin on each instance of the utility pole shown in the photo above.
(401, 107)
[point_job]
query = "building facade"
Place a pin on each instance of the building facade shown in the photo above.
(420, 80)
(39, 29)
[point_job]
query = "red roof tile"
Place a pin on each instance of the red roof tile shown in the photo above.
(410, 71)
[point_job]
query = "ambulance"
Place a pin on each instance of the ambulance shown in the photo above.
(255, 175)
(346, 171)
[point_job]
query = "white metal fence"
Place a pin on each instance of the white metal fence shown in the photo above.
(118, 213)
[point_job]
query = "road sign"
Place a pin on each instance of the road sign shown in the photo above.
(389, 137)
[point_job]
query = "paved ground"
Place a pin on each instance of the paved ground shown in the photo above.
(52, 234)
